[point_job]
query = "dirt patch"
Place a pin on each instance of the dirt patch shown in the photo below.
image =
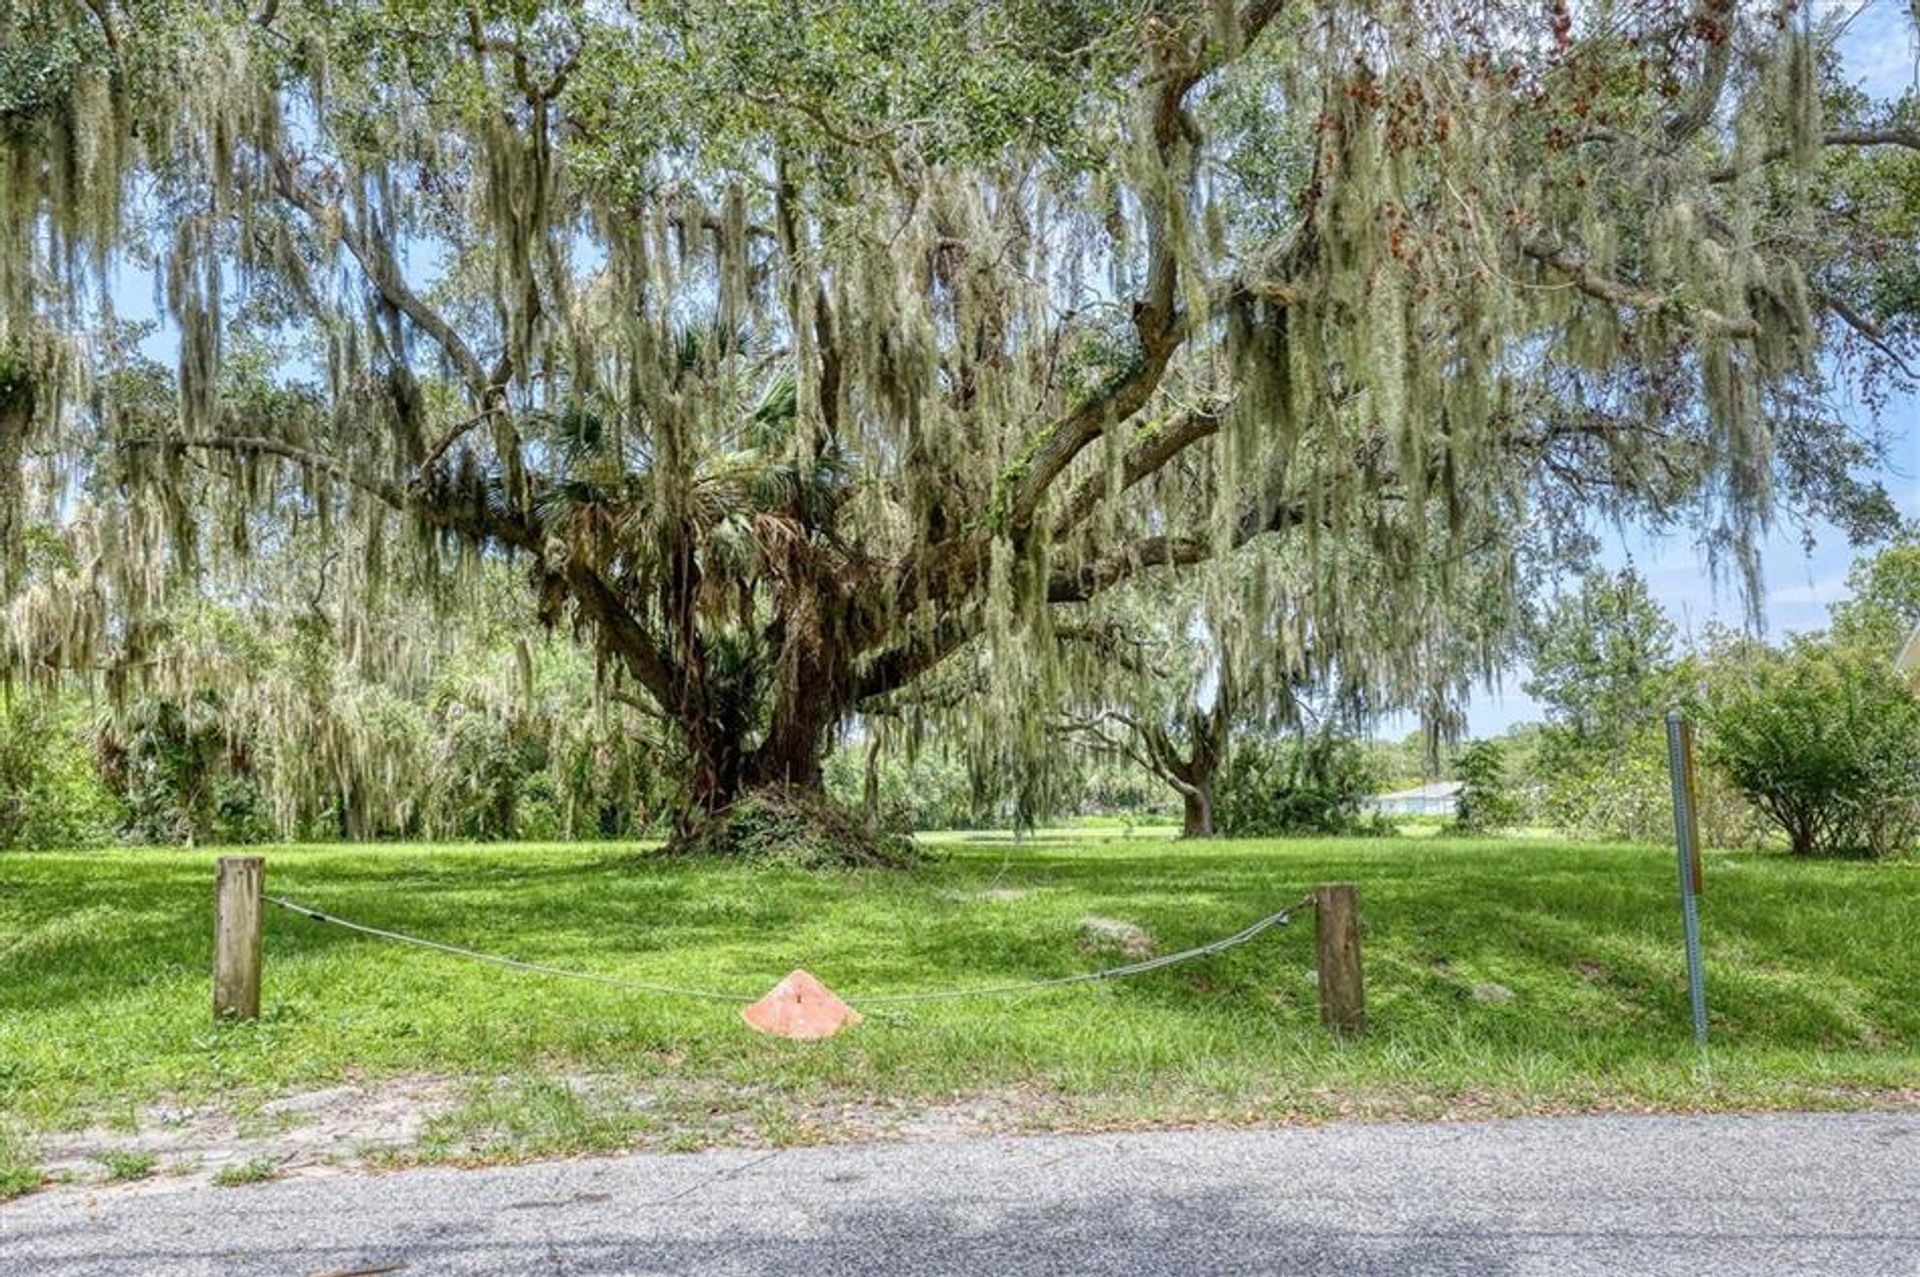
(1115, 934)
(957, 1118)
(307, 1133)
(409, 1121)
(479, 1121)
(991, 895)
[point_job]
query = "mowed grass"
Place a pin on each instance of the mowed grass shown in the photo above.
(1812, 975)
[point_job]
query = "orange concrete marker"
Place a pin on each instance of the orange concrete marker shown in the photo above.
(800, 1007)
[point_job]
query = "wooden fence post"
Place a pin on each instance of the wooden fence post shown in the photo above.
(236, 937)
(1343, 999)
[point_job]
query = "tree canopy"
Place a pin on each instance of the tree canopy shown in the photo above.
(1601, 659)
(792, 348)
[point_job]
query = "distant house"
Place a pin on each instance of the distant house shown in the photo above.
(1441, 798)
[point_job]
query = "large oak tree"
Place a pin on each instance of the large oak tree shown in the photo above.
(793, 346)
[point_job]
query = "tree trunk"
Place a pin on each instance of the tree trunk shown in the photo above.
(1193, 773)
(16, 413)
(870, 791)
(1198, 799)
(808, 699)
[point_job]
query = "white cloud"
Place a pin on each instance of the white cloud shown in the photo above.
(1826, 590)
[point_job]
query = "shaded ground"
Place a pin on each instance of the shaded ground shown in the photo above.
(1836, 1194)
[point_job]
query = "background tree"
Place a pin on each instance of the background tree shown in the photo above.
(51, 792)
(1487, 801)
(1168, 679)
(1882, 607)
(789, 350)
(1184, 751)
(1601, 660)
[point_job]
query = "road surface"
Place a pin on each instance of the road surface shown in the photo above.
(1826, 1194)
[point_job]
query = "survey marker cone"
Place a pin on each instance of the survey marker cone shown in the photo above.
(800, 1007)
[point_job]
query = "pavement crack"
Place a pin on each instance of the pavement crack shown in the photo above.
(721, 1178)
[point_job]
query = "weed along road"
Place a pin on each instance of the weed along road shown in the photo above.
(1834, 1194)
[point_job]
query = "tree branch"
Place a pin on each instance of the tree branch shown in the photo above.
(1619, 293)
(1092, 727)
(1050, 455)
(897, 666)
(384, 272)
(452, 434)
(1907, 138)
(1714, 21)
(1112, 642)
(386, 491)
(628, 638)
(1077, 585)
(1151, 453)
(1160, 328)
(1868, 330)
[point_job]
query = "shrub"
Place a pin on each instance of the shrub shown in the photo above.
(794, 827)
(1825, 741)
(1626, 792)
(182, 777)
(50, 794)
(1315, 785)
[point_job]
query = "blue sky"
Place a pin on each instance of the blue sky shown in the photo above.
(1878, 50)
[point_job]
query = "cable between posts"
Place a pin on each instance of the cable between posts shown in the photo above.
(1240, 937)
(499, 960)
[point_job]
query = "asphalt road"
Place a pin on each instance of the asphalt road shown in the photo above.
(1836, 1194)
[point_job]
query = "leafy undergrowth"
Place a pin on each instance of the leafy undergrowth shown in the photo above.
(791, 827)
(1503, 977)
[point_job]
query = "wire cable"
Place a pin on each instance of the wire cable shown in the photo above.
(538, 968)
(1249, 932)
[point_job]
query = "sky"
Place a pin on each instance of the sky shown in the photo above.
(1878, 51)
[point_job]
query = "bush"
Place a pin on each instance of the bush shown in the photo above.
(797, 828)
(1825, 741)
(1316, 785)
(181, 776)
(50, 794)
(1625, 792)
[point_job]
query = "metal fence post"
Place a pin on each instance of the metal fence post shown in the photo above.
(1686, 836)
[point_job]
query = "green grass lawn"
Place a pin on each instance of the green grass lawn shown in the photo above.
(104, 1000)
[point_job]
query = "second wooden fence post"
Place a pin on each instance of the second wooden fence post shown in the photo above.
(237, 890)
(1343, 999)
